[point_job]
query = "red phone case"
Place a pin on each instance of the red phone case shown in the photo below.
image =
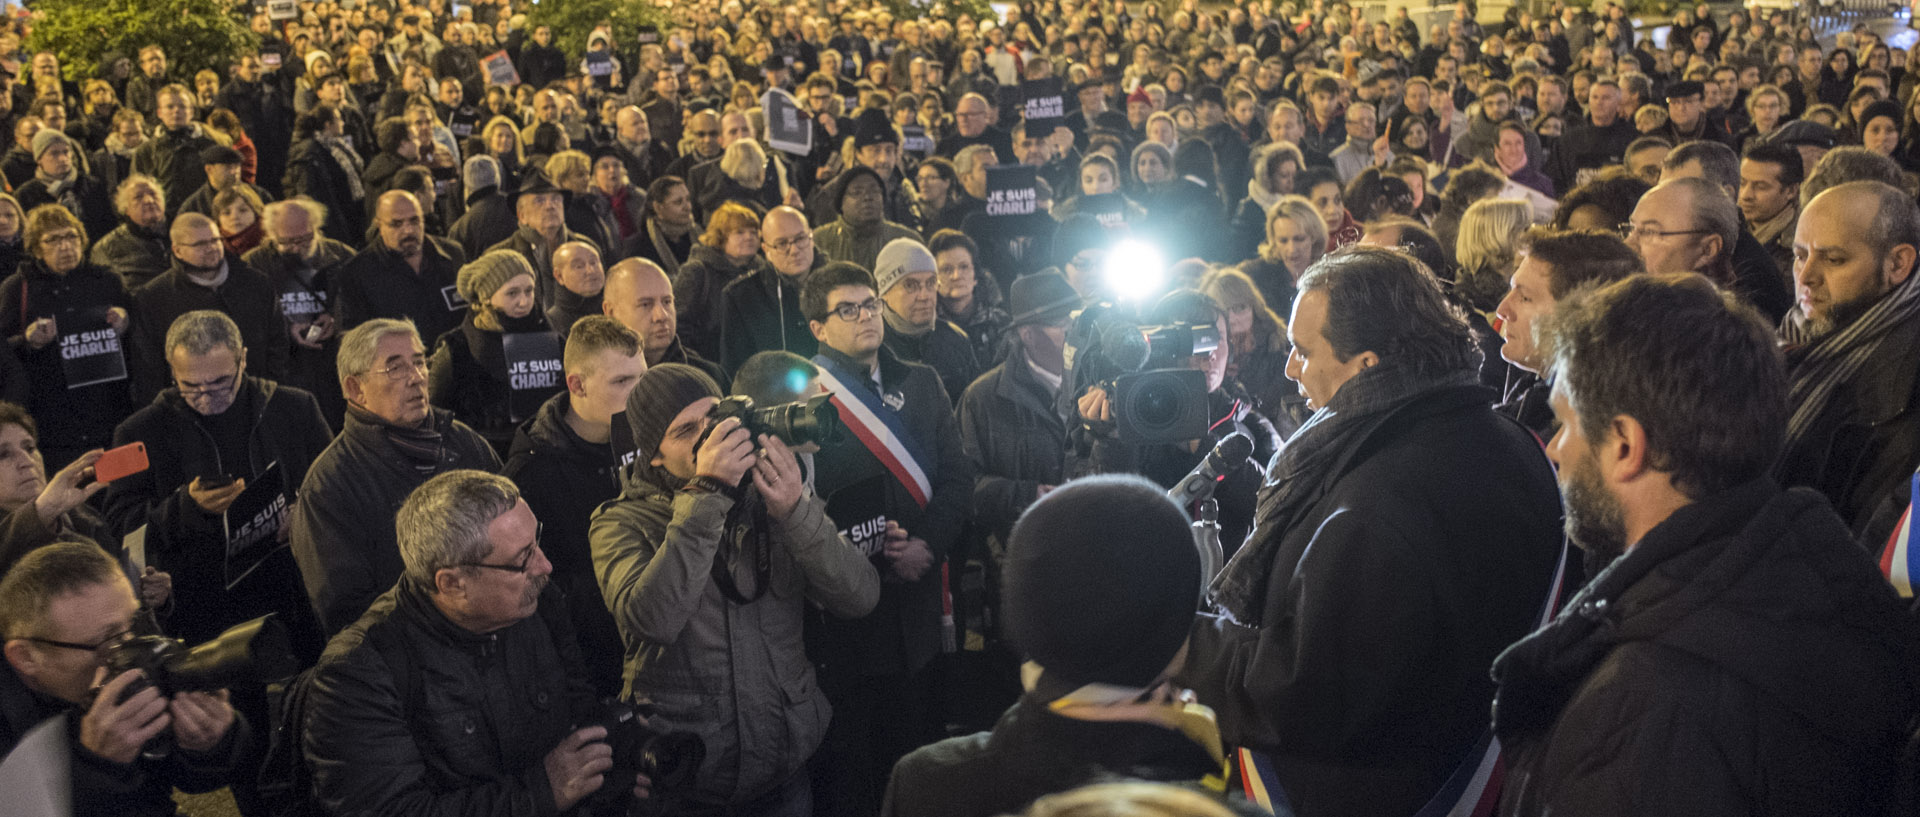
(124, 461)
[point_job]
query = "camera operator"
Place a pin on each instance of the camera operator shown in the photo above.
(59, 606)
(460, 691)
(911, 463)
(708, 560)
(1095, 449)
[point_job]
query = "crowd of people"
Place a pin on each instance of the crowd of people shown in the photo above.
(1574, 355)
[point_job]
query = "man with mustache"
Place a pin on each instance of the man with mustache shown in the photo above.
(378, 733)
(393, 441)
(1735, 625)
(404, 274)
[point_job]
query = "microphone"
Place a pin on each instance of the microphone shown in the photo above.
(1200, 483)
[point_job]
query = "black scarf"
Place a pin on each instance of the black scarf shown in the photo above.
(422, 446)
(1821, 364)
(1309, 463)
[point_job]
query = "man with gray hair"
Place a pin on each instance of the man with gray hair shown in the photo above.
(475, 584)
(203, 277)
(393, 441)
(299, 260)
(137, 249)
(1854, 432)
(1692, 225)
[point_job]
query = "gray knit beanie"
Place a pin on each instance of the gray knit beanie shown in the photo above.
(483, 276)
(900, 257)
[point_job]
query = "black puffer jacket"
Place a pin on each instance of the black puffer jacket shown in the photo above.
(761, 312)
(460, 725)
(1743, 658)
(136, 253)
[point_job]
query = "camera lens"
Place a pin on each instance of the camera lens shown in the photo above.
(1155, 405)
(673, 759)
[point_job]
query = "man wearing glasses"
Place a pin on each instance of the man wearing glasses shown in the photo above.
(203, 277)
(394, 440)
(915, 331)
(299, 260)
(908, 454)
(58, 607)
(1692, 225)
(761, 312)
(499, 728)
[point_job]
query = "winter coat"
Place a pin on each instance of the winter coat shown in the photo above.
(1033, 752)
(71, 419)
(489, 220)
(1743, 658)
(135, 253)
(564, 478)
(987, 324)
(173, 157)
(343, 533)
(102, 788)
(306, 286)
(903, 633)
(96, 201)
(312, 171)
(761, 312)
(246, 296)
(696, 295)
(284, 425)
(461, 725)
(735, 674)
(1430, 547)
(842, 241)
(1016, 441)
(469, 377)
(539, 254)
(945, 348)
(377, 283)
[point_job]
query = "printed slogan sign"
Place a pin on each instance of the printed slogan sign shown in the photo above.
(533, 371)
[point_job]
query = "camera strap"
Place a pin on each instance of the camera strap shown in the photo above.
(746, 527)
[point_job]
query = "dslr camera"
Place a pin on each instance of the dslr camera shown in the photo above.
(813, 420)
(670, 759)
(253, 652)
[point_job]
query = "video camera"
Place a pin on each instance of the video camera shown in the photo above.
(813, 420)
(1155, 397)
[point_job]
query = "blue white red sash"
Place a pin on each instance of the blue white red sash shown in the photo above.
(880, 428)
(1901, 560)
(1472, 790)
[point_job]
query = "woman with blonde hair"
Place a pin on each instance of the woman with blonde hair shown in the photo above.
(586, 214)
(743, 180)
(1296, 238)
(1257, 347)
(1486, 251)
(501, 140)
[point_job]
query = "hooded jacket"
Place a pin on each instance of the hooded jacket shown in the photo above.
(735, 674)
(1743, 658)
(563, 478)
(696, 295)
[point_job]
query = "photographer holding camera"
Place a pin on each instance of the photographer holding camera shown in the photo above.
(460, 691)
(708, 560)
(60, 607)
(1097, 447)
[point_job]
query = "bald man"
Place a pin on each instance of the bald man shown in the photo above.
(973, 125)
(706, 144)
(578, 282)
(761, 311)
(646, 158)
(639, 295)
(403, 273)
(203, 277)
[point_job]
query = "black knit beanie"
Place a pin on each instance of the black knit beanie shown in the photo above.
(1102, 583)
(656, 399)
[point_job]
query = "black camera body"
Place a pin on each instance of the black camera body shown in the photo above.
(813, 420)
(253, 652)
(670, 759)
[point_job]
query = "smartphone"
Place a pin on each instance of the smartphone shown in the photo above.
(124, 461)
(313, 333)
(216, 482)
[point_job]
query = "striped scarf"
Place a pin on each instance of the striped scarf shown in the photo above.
(1820, 365)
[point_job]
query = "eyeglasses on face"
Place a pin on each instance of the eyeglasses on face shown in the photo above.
(1628, 230)
(218, 385)
(401, 370)
(860, 311)
(793, 243)
(525, 560)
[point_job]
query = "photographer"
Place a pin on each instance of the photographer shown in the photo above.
(461, 690)
(708, 560)
(1095, 448)
(58, 606)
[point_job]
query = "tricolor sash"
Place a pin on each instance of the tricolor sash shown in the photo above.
(1472, 790)
(880, 428)
(1900, 561)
